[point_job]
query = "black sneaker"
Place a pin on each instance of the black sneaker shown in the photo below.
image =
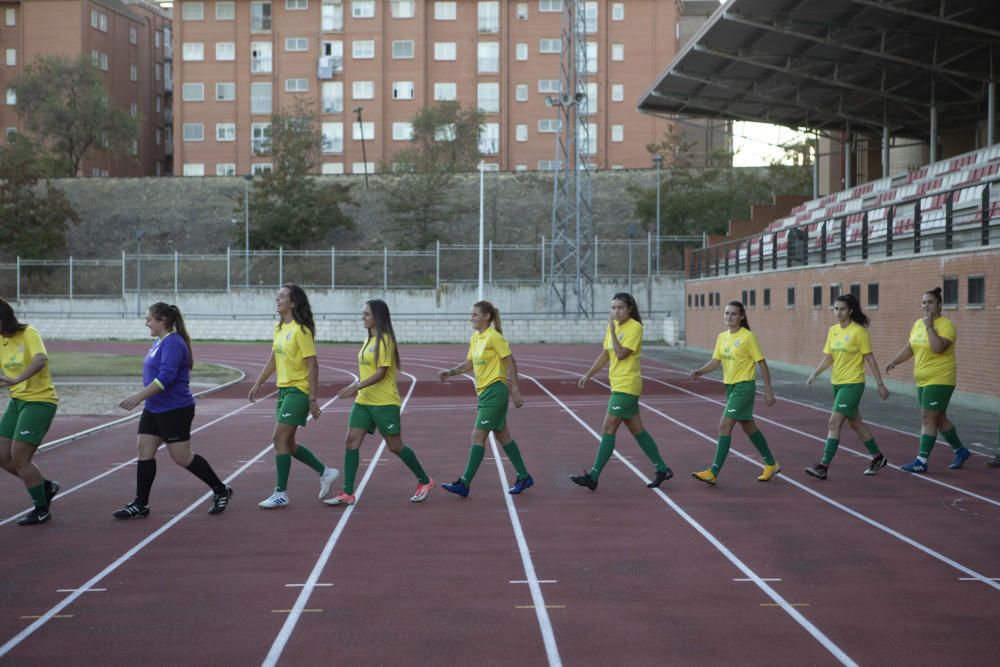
(584, 480)
(131, 511)
(220, 501)
(660, 478)
(818, 471)
(51, 489)
(37, 515)
(877, 463)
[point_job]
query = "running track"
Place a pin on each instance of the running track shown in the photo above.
(894, 569)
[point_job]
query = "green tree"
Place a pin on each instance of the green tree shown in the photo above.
(421, 196)
(288, 206)
(34, 217)
(64, 105)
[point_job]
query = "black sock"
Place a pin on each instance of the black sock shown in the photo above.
(144, 475)
(201, 469)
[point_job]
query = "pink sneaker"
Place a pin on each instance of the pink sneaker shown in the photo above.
(420, 495)
(340, 499)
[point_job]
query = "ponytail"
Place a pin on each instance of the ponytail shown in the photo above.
(172, 318)
(487, 308)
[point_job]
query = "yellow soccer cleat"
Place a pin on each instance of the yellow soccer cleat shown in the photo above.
(706, 476)
(769, 472)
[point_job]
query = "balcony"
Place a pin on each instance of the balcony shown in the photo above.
(328, 66)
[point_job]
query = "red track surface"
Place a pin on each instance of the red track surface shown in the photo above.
(857, 568)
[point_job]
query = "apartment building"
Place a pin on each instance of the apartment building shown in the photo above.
(128, 40)
(367, 66)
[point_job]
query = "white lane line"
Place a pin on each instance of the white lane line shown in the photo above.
(295, 613)
(74, 590)
(975, 579)
(762, 579)
(300, 585)
(789, 609)
(537, 581)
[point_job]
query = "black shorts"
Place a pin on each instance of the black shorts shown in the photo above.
(169, 426)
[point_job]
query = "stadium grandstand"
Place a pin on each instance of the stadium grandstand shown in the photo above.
(901, 96)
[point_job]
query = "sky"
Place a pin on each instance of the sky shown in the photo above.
(757, 144)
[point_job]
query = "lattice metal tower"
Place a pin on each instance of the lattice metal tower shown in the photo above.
(571, 280)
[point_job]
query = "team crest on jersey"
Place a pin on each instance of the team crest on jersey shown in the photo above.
(372, 349)
(736, 343)
(288, 336)
(847, 337)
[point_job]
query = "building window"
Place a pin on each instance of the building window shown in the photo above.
(549, 46)
(261, 168)
(743, 299)
(363, 49)
(296, 5)
(873, 295)
(297, 44)
(157, 71)
(402, 131)
(445, 132)
(362, 167)
(488, 97)
(444, 11)
(10, 17)
(590, 16)
(521, 92)
(194, 132)
(225, 11)
(260, 16)
(977, 292)
(363, 9)
(260, 137)
(193, 169)
(225, 50)
(403, 90)
(260, 57)
(521, 51)
(617, 92)
(855, 290)
(11, 97)
(617, 133)
(332, 168)
(11, 57)
(790, 297)
(521, 132)
(296, 85)
(158, 136)
(156, 38)
(260, 98)
(133, 35)
(950, 293)
(104, 62)
(546, 86)
(402, 49)
(332, 15)
(588, 138)
(363, 90)
(834, 293)
(193, 51)
(444, 50)
(401, 9)
(588, 105)
(159, 103)
(225, 131)
(333, 97)
(753, 298)
(193, 92)
(333, 137)
(225, 92)
(192, 11)
(617, 11)
(550, 5)
(134, 110)
(489, 57)
(548, 125)
(489, 139)
(488, 14)
(817, 296)
(444, 92)
(225, 169)
(133, 72)
(618, 52)
(365, 130)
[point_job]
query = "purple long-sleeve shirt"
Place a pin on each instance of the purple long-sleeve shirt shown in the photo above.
(168, 364)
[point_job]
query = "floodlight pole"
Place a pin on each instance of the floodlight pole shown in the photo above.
(364, 153)
(657, 160)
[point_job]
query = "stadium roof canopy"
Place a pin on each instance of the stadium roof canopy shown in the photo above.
(827, 64)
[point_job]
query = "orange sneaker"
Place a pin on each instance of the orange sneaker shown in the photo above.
(420, 495)
(340, 499)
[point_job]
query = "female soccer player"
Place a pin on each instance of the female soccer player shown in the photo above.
(932, 345)
(737, 351)
(169, 411)
(378, 403)
(491, 359)
(623, 347)
(293, 355)
(847, 349)
(30, 411)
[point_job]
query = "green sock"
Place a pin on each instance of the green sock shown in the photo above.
(303, 454)
(951, 437)
(721, 452)
(926, 446)
(514, 454)
(410, 459)
(351, 459)
(761, 444)
(829, 450)
(872, 447)
(38, 495)
(283, 463)
(603, 454)
(475, 458)
(649, 448)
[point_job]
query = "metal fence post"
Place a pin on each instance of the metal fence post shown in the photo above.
(649, 272)
(176, 273)
(17, 280)
(229, 268)
(333, 267)
(385, 268)
(71, 277)
(597, 247)
(437, 264)
(281, 265)
(123, 279)
(543, 259)
(491, 269)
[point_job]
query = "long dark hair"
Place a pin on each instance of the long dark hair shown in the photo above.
(629, 300)
(8, 320)
(383, 327)
(744, 322)
(854, 307)
(171, 316)
(936, 293)
(301, 310)
(487, 308)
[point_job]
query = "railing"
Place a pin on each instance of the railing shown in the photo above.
(963, 217)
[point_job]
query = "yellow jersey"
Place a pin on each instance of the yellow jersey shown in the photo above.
(739, 354)
(625, 375)
(487, 350)
(930, 367)
(383, 392)
(293, 344)
(17, 353)
(848, 347)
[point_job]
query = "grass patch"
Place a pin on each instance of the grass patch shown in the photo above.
(88, 364)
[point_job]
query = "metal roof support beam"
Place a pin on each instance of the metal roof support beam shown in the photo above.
(848, 159)
(934, 134)
(885, 152)
(893, 8)
(991, 114)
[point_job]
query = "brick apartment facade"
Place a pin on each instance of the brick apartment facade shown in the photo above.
(238, 62)
(128, 40)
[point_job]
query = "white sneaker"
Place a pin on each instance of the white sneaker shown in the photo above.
(276, 500)
(326, 481)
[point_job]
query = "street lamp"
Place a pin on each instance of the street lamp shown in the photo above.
(138, 271)
(657, 160)
(246, 229)
(364, 153)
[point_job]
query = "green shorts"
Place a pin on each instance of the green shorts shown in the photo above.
(367, 417)
(622, 405)
(491, 414)
(935, 396)
(739, 400)
(847, 398)
(27, 421)
(293, 407)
